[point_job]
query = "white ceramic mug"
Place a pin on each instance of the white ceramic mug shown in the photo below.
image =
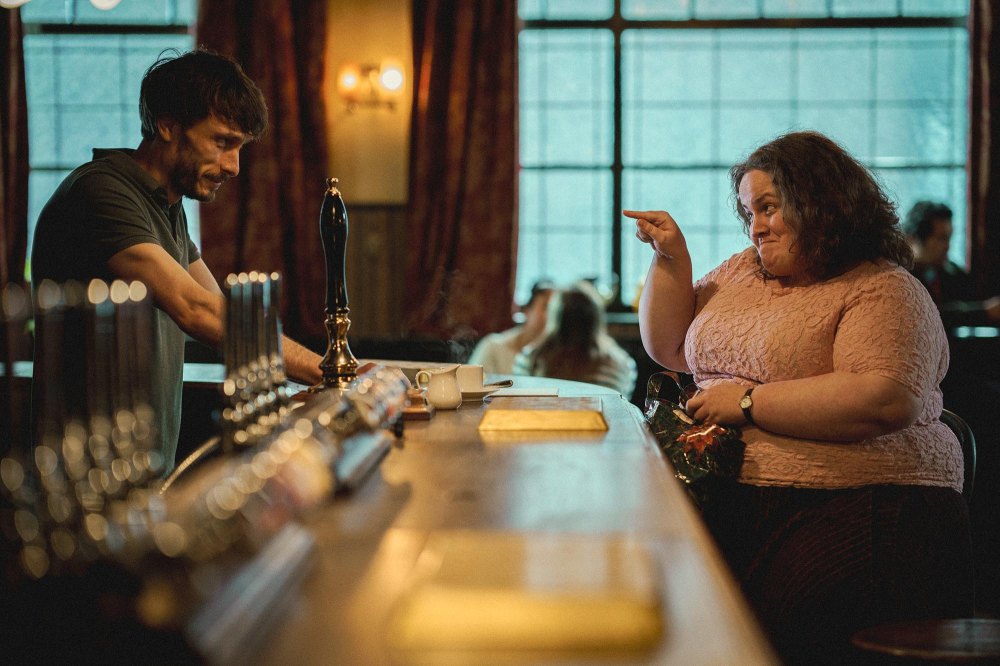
(470, 378)
(442, 387)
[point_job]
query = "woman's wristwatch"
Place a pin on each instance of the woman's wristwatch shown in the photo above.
(746, 404)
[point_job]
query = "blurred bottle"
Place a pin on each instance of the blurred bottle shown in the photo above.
(638, 294)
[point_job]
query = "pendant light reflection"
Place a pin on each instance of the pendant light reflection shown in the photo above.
(100, 4)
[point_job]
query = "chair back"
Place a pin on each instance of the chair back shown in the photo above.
(968, 441)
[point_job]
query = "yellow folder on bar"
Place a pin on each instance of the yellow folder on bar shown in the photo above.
(526, 592)
(543, 413)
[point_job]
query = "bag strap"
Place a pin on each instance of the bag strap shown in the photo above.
(663, 385)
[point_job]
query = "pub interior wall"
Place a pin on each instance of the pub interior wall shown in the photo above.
(369, 153)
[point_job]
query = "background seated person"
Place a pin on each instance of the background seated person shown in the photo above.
(496, 351)
(928, 227)
(576, 344)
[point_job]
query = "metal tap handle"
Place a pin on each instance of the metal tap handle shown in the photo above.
(14, 305)
(49, 308)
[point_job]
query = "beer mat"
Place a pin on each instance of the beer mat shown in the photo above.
(418, 412)
(503, 383)
(543, 413)
(514, 392)
(499, 592)
(408, 368)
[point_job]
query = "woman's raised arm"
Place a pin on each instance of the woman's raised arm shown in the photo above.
(666, 305)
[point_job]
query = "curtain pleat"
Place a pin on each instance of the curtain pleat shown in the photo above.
(984, 145)
(13, 152)
(268, 218)
(462, 212)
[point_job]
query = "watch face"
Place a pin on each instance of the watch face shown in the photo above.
(746, 402)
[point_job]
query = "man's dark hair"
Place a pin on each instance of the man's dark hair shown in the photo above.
(190, 87)
(837, 208)
(919, 221)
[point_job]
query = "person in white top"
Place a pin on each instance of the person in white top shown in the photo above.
(576, 344)
(496, 351)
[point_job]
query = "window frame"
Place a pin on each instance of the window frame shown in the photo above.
(618, 24)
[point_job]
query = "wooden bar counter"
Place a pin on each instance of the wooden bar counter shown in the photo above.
(445, 478)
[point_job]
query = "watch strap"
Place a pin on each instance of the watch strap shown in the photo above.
(746, 404)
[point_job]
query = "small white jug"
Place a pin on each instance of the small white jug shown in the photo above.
(442, 387)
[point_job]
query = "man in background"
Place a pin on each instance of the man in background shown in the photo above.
(119, 216)
(928, 226)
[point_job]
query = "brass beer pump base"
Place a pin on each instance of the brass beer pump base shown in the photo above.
(339, 366)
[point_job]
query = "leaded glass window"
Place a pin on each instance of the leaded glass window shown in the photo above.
(645, 104)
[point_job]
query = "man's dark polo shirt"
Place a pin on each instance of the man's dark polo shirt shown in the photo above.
(100, 209)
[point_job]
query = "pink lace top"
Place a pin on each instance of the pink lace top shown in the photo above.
(876, 318)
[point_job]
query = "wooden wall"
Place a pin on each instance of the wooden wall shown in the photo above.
(376, 260)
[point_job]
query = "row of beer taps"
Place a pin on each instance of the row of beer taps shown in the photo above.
(81, 491)
(254, 390)
(91, 484)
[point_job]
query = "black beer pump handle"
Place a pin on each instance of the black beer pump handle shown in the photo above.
(333, 231)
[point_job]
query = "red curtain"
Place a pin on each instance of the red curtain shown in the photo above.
(462, 213)
(268, 217)
(13, 152)
(984, 145)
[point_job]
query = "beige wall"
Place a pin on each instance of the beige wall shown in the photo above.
(369, 146)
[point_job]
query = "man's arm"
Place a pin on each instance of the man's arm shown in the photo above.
(199, 271)
(301, 364)
(195, 302)
(196, 307)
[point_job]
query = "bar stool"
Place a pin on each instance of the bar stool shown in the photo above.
(968, 441)
(960, 640)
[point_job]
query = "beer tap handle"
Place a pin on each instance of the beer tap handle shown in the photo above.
(73, 362)
(339, 366)
(104, 380)
(230, 352)
(142, 329)
(14, 306)
(261, 355)
(283, 395)
(333, 232)
(49, 415)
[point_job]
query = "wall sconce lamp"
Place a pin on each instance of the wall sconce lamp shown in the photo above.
(371, 85)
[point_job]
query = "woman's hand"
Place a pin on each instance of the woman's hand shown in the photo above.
(660, 230)
(718, 404)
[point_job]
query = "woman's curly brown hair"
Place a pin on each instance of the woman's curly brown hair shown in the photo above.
(835, 205)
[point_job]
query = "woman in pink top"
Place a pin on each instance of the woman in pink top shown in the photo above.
(828, 354)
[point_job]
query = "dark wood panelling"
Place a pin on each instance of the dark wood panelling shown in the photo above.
(376, 256)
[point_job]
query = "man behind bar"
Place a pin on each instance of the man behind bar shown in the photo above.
(120, 215)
